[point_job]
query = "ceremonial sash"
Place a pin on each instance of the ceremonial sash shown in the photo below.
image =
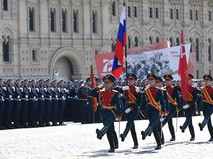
(131, 97)
(189, 97)
(152, 100)
(171, 100)
(207, 96)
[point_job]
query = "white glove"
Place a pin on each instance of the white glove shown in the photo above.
(34, 97)
(42, 96)
(10, 96)
(13, 88)
(45, 89)
(127, 110)
(21, 89)
(101, 86)
(26, 96)
(186, 106)
(137, 89)
(18, 97)
(125, 88)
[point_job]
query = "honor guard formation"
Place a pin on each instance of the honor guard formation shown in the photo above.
(38, 103)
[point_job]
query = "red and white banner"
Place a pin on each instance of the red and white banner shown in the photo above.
(104, 61)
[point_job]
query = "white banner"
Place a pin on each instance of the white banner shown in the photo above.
(159, 62)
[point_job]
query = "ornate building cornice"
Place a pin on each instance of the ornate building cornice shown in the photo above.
(195, 3)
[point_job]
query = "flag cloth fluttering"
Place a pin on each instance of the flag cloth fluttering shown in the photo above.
(182, 70)
(95, 103)
(117, 67)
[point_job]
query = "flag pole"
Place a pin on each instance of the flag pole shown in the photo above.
(125, 48)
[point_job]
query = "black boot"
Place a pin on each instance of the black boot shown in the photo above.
(123, 136)
(202, 125)
(182, 129)
(146, 132)
(172, 131)
(100, 133)
(135, 140)
(158, 140)
(115, 139)
(192, 132)
(162, 139)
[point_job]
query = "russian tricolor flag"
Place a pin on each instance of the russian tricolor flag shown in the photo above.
(117, 67)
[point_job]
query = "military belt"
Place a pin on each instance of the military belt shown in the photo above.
(83, 99)
(108, 107)
(131, 102)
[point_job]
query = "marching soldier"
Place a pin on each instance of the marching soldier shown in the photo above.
(8, 104)
(110, 108)
(17, 102)
(207, 97)
(174, 104)
(2, 105)
(24, 104)
(190, 108)
(133, 101)
(155, 104)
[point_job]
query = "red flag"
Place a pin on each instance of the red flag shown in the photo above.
(95, 103)
(182, 70)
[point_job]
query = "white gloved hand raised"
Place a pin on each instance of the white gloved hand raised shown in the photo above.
(137, 89)
(101, 86)
(186, 106)
(127, 110)
(125, 88)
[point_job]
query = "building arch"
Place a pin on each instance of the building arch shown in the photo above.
(74, 58)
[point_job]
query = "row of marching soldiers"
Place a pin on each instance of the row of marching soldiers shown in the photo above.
(160, 103)
(31, 103)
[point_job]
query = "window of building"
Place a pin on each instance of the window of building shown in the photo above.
(64, 20)
(210, 50)
(6, 50)
(156, 13)
(113, 8)
(190, 15)
(52, 20)
(113, 45)
(150, 12)
(197, 44)
(32, 19)
(197, 73)
(210, 16)
(177, 14)
(171, 42)
(157, 40)
(171, 13)
(196, 14)
(190, 40)
(136, 41)
(129, 11)
(5, 5)
(34, 56)
(150, 40)
(135, 12)
(177, 41)
(129, 42)
(94, 22)
(76, 21)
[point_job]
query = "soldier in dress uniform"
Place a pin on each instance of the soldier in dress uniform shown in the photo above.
(48, 103)
(190, 108)
(62, 98)
(2, 104)
(159, 82)
(24, 104)
(155, 104)
(33, 103)
(41, 103)
(55, 105)
(110, 108)
(69, 102)
(17, 102)
(174, 104)
(133, 101)
(8, 104)
(90, 112)
(207, 99)
(83, 97)
(97, 113)
(75, 101)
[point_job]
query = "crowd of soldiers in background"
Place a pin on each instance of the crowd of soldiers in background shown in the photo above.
(31, 103)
